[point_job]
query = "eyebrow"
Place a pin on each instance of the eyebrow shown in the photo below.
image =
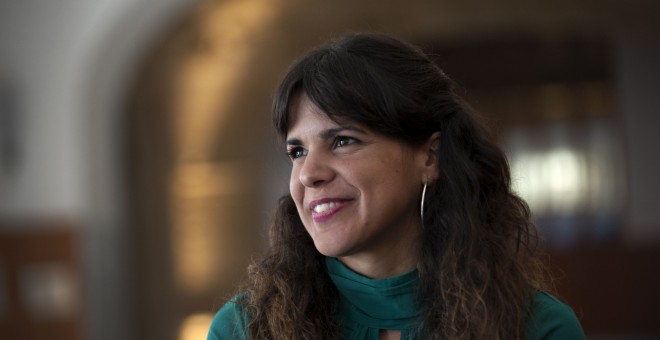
(327, 134)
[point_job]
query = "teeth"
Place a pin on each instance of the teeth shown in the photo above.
(324, 207)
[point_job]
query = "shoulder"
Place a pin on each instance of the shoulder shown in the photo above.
(553, 319)
(230, 322)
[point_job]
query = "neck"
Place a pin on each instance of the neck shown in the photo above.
(378, 268)
(397, 258)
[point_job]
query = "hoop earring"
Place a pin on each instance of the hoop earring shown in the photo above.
(421, 209)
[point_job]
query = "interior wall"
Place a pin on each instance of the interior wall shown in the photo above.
(638, 83)
(65, 66)
(44, 45)
(109, 243)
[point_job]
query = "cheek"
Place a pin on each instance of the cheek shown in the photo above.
(295, 188)
(390, 179)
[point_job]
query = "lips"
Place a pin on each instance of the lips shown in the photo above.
(324, 209)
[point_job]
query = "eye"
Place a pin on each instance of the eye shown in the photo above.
(296, 152)
(342, 141)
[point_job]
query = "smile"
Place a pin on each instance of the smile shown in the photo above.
(321, 208)
(325, 209)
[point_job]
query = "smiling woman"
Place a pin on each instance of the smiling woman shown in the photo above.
(376, 135)
(356, 191)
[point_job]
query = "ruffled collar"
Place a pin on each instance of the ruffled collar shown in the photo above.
(389, 303)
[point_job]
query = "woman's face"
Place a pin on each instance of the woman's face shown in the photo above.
(357, 192)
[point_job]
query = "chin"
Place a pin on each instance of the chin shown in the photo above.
(330, 250)
(325, 251)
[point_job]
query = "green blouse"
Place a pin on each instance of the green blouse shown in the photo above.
(366, 306)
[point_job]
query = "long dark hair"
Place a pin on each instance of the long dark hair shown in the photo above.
(477, 264)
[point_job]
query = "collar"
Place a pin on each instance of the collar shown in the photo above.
(389, 303)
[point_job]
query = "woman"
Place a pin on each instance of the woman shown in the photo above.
(400, 223)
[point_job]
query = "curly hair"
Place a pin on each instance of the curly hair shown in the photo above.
(477, 260)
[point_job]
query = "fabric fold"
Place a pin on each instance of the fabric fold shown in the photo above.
(368, 305)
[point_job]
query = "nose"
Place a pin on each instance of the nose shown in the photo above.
(316, 170)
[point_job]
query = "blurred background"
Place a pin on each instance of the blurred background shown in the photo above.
(138, 169)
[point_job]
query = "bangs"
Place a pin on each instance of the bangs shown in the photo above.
(362, 79)
(341, 85)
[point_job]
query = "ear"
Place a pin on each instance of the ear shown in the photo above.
(430, 158)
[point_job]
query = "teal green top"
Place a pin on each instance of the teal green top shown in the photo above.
(366, 306)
